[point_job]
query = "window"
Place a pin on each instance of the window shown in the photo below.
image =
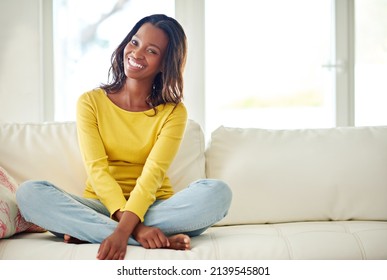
(267, 64)
(270, 64)
(85, 35)
(371, 62)
(296, 64)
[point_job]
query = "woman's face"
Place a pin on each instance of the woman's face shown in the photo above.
(143, 55)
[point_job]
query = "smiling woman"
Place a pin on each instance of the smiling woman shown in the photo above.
(127, 151)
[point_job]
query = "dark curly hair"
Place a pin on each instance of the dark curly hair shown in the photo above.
(168, 84)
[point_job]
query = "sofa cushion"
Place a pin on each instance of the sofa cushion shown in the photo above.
(301, 175)
(11, 221)
(189, 163)
(297, 241)
(49, 151)
(44, 151)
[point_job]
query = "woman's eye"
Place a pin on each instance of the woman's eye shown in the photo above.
(134, 42)
(152, 51)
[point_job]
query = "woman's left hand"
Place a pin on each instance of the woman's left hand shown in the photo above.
(150, 237)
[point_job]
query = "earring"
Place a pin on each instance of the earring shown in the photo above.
(153, 90)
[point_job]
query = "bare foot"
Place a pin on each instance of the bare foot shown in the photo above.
(179, 242)
(148, 236)
(69, 239)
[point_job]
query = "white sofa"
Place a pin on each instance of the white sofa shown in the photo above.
(297, 194)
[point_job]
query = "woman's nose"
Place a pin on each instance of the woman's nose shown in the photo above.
(138, 53)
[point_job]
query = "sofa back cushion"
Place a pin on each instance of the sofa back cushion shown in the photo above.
(46, 151)
(301, 175)
(49, 151)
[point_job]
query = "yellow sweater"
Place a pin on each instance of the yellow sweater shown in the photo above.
(127, 153)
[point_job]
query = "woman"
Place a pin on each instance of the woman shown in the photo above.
(129, 132)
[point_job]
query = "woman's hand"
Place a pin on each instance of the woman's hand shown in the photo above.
(115, 245)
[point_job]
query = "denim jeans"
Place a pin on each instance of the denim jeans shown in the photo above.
(190, 211)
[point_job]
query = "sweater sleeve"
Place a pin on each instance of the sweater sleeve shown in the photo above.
(95, 158)
(158, 162)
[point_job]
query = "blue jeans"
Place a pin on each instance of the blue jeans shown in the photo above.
(190, 211)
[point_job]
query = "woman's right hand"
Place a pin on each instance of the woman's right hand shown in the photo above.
(115, 245)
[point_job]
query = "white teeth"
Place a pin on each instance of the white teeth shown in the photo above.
(134, 64)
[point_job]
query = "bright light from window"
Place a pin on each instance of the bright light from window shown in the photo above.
(264, 64)
(371, 62)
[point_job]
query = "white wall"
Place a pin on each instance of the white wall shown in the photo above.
(20, 61)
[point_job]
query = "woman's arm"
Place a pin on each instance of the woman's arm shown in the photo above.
(95, 158)
(114, 246)
(158, 161)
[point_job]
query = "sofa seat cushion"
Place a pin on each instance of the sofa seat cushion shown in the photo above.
(301, 175)
(305, 240)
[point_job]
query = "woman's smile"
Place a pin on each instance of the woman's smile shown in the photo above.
(132, 62)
